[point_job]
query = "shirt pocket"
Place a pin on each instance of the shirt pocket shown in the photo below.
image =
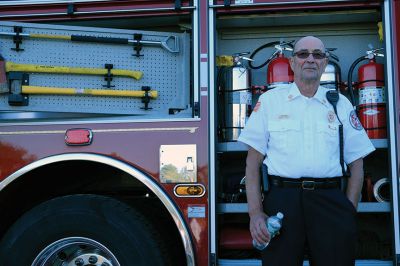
(283, 135)
(328, 139)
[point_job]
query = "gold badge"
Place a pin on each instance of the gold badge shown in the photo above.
(331, 116)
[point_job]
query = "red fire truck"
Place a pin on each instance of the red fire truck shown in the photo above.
(119, 124)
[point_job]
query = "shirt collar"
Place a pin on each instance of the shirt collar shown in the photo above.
(294, 92)
(320, 96)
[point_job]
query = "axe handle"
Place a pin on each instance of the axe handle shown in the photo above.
(10, 66)
(81, 38)
(49, 36)
(93, 92)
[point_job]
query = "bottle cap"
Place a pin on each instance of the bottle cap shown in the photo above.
(280, 215)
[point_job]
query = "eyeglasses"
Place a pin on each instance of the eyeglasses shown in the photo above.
(306, 54)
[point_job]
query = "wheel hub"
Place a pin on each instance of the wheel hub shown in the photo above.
(75, 251)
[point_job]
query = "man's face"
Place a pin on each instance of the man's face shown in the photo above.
(309, 60)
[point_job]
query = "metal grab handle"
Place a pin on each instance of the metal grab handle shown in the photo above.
(174, 48)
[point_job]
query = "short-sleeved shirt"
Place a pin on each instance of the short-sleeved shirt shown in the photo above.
(300, 135)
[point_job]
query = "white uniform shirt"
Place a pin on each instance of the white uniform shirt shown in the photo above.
(300, 135)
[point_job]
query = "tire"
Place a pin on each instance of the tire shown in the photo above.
(75, 227)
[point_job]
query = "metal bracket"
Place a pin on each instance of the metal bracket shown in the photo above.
(146, 98)
(16, 98)
(173, 111)
(17, 38)
(108, 77)
(137, 44)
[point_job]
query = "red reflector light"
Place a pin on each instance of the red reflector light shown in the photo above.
(78, 136)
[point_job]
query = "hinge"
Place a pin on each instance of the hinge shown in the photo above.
(70, 9)
(196, 109)
(213, 259)
(178, 5)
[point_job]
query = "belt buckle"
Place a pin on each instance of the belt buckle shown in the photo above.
(308, 185)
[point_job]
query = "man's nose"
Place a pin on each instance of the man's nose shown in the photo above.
(310, 57)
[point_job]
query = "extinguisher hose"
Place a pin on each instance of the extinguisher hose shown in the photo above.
(350, 78)
(221, 91)
(338, 71)
(270, 44)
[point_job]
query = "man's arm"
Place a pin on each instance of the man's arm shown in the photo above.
(355, 181)
(258, 229)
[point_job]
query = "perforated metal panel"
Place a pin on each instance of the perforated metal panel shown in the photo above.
(166, 72)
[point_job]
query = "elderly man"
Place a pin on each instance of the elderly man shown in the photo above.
(294, 130)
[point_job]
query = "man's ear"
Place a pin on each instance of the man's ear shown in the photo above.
(291, 62)
(326, 62)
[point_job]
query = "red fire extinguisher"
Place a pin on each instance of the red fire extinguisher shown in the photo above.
(278, 71)
(371, 107)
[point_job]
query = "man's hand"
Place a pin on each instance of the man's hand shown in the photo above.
(258, 228)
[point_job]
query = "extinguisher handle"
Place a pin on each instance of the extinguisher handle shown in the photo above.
(375, 52)
(273, 55)
(241, 54)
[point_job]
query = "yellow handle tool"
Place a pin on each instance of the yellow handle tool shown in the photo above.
(10, 66)
(73, 91)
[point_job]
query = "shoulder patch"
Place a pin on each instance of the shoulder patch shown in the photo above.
(354, 121)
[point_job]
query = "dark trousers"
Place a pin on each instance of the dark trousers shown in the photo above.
(322, 219)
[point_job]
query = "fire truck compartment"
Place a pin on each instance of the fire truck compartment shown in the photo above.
(162, 57)
(351, 33)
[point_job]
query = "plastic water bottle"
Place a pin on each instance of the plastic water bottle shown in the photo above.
(274, 224)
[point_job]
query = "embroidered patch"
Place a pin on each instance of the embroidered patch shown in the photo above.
(331, 116)
(258, 104)
(354, 122)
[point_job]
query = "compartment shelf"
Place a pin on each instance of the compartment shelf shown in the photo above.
(255, 262)
(238, 146)
(380, 143)
(362, 207)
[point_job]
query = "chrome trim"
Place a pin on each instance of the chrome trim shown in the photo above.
(212, 168)
(190, 129)
(190, 184)
(103, 121)
(39, 2)
(152, 185)
(392, 122)
(196, 54)
(98, 12)
(282, 3)
(27, 132)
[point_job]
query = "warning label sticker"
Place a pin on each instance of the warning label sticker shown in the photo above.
(196, 211)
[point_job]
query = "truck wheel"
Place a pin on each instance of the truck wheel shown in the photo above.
(82, 230)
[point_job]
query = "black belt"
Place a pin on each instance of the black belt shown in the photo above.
(307, 183)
